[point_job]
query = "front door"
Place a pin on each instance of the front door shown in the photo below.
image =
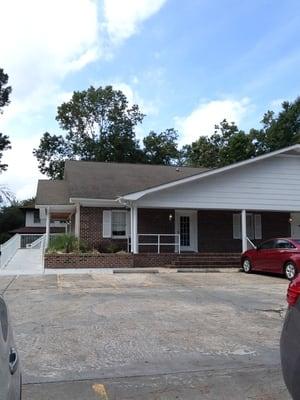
(186, 226)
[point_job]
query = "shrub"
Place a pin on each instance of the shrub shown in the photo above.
(113, 248)
(67, 243)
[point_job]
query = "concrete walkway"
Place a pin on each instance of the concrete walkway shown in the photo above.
(25, 262)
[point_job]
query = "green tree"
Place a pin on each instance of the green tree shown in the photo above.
(161, 148)
(283, 129)
(226, 146)
(11, 217)
(201, 153)
(100, 126)
(5, 92)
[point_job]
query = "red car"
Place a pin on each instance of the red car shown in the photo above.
(280, 255)
(289, 342)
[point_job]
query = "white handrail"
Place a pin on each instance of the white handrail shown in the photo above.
(37, 244)
(159, 243)
(9, 249)
(251, 243)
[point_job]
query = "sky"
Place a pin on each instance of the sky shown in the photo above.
(187, 64)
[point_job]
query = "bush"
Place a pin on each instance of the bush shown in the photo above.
(67, 244)
(113, 248)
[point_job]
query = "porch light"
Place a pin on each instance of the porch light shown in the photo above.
(170, 217)
(290, 220)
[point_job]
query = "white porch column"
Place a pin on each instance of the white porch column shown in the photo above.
(134, 230)
(47, 227)
(77, 221)
(244, 231)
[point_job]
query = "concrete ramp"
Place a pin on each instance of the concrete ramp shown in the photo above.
(25, 262)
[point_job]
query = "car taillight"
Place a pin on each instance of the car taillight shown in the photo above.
(293, 292)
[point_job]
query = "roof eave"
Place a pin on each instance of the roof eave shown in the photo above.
(138, 195)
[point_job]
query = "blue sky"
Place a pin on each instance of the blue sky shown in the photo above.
(187, 64)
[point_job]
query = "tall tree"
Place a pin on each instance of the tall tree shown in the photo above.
(5, 92)
(226, 146)
(161, 148)
(283, 129)
(100, 126)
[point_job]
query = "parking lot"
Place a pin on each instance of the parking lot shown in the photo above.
(148, 336)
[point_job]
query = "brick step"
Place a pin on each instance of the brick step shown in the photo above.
(209, 259)
(182, 267)
(209, 254)
(207, 262)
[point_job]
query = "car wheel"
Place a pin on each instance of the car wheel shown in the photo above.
(290, 271)
(247, 266)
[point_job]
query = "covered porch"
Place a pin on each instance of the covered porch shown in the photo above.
(206, 231)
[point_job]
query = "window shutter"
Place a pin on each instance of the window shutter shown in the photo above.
(128, 224)
(106, 224)
(257, 226)
(236, 226)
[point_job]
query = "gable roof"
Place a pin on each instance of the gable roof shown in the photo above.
(100, 180)
(110, 181)
(291, 150)
(52, 192)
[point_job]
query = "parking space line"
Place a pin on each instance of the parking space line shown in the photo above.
(59, 281)
(100, 390)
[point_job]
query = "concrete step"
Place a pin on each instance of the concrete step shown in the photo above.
(209, 254)
(204, 266)
(207, 262)
(208, 257)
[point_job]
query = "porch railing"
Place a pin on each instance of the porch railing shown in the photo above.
(251, 243)
(37, 244)
(28, 238)
(159, 240)
(9, 249)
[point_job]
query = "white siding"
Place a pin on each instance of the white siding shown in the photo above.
(29, 221)
(271, 184)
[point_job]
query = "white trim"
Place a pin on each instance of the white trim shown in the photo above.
(57, 207)
(95, 202)
(244, 231)
(138, 195)
(77, 221)
(193, 228)
(47, 228)
(134, 231)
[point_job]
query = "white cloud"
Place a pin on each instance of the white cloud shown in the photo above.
(123, 18)
(44, 42)
(202, 120)
(133, 97)
(47, 40)
(22, 174)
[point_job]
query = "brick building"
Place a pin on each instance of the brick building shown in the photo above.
(167, 209)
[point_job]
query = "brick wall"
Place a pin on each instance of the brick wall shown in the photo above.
(215, 230)
(108, 260)
(91, 229)
(156, 221)
(154, 260)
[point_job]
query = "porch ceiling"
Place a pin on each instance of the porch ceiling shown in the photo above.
(63, 216)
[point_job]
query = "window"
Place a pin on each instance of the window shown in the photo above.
(36, 216)
(270, 244)
(118, 223)
(253, 226)
(284, 244)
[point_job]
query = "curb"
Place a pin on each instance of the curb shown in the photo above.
(135, 271)
(204, 270)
